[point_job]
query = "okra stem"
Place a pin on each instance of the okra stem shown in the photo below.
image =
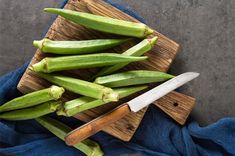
(31, 112)
(73, 107)
(137, 50)
(77, 47)
(104, 24)
(48, 65)
(82, 87)
(34, 98)
(134, 77)
(59, 129)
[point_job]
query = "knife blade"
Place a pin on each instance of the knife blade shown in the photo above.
(152, 95)
(133, 105)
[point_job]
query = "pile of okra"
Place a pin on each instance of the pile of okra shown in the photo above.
(108, 85)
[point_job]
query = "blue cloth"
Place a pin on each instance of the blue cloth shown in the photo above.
(157, 135)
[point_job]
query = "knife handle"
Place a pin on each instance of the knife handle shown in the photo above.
(96, 125)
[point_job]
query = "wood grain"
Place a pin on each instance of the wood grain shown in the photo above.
(176, 105)
(160, 59)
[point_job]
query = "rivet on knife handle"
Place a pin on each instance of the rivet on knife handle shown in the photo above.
(96, 125)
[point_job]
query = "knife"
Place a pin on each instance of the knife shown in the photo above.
(134, 105)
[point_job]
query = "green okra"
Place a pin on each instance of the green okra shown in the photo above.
(31, 112)
(77, 47)
(78, 105)
(59, 129)
(34, 98)
(48, 65)
(134, 77)
(137, 50)
(82, 87)
(104, 24)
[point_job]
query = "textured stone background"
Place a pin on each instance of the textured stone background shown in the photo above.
(204, 28)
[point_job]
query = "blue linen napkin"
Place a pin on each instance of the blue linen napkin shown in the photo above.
(158, 134)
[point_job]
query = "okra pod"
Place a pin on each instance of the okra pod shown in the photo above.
(77, 47)
(134, 77)
(82, 87)
(104, 24)
(31, 112)
(59, 129)
(48, 65)
(137, 50)
(34, 98)
(73, 107)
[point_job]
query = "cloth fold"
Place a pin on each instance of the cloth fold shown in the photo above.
(158, 134)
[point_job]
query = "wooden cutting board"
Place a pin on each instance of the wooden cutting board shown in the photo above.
(160, 59)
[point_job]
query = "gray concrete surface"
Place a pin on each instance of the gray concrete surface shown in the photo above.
(204, 28)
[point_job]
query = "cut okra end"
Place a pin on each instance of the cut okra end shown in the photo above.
(40, 43)
(109, 95)
(40, 66)
(55, 105)
(61, 112)
(56, 92)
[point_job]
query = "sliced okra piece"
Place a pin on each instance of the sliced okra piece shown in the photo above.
(48, 65)
(76, 47)
(34, 98)
(134, 77)
(59, 129)
(104, 24)
(82, 87)
(32, 112)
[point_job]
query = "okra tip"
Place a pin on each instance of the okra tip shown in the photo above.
(97, 151)
(148, 31)
(56, 92)
(153, 41)
(52, 10)
(49, 9)
(142, 58)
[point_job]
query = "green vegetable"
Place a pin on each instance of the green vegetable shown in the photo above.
(134, 77)
(34, 98)
(138, 50)
(88, 147)
(31, 112)
(76, 47)
(73, 107)
(82, 87)
(49, 65)
(104, 24)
